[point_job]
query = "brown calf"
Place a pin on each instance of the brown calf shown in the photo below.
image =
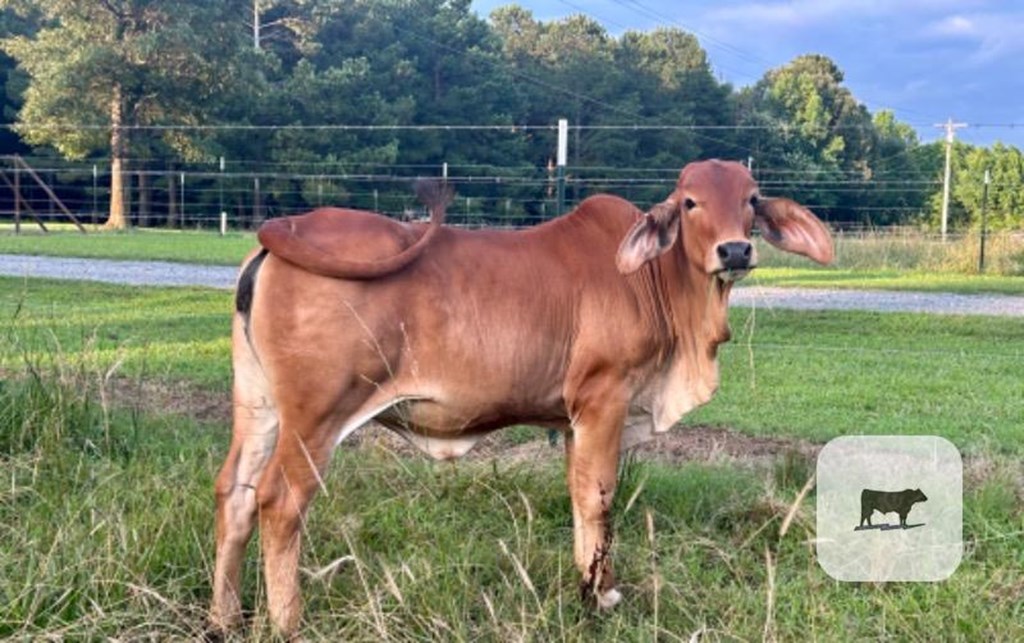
(603, 323)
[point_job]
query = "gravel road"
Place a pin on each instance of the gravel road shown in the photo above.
(162, 273)
(136, 273)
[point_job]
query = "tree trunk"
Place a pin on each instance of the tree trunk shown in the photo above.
(117, 220)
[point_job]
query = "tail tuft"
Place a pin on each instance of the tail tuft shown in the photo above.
(435, 195)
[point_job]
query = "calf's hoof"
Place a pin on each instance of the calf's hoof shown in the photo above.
(608, 599)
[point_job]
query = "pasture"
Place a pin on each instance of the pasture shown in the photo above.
(114, 411)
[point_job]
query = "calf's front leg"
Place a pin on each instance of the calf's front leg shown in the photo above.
(592, 459)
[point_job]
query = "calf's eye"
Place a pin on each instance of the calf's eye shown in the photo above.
(753, 201)
(689, 204)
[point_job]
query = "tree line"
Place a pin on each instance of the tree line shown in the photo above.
(133, 83)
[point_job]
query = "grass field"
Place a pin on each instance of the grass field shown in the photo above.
(186, 246)
(106, 502)
(886, 279)
(890, 262)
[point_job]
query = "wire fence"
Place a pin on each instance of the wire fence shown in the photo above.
(182, 195)
(243, 193)
(195, 197)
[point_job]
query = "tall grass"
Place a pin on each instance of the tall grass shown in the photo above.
(909, 250)
(90, 504)
(106, 532)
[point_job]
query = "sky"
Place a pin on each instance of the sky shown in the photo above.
(927, 60)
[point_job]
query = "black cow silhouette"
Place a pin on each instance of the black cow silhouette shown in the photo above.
(888, 502)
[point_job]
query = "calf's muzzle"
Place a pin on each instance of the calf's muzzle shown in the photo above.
(735, 255)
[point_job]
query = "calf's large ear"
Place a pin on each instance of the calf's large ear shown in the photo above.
(789, 226)
(649, 237)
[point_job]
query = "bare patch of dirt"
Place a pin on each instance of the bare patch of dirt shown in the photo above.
(179, 398)
(708, 444)
(717, 444)
(155, 396)
(681, 444)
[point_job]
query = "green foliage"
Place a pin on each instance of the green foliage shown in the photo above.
(164, 63)
(1005, 201)
(821, 146)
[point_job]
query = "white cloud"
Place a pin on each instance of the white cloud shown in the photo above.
(993, 36)
(953, 26)
(811, 12)
(797, 13)
(989, 30)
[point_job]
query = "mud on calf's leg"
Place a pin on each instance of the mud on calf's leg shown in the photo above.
(592, 464)
(599, 581)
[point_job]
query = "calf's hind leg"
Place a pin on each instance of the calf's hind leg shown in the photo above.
(292, 478)
(255, 426)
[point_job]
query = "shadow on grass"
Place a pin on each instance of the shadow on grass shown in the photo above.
(887, 527)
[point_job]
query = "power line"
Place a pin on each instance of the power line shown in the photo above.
(996, 125)
(497, 127)
(586, 12)
(553, 87)
(736, 51)
(511, 127)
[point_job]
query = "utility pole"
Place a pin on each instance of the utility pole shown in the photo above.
(223, 212)
(256, 24)
(950, 128)
(561, 158)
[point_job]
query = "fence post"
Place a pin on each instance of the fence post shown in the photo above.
(257, 214)
(563, 153)
(984, 222)
(181, 201)
(223, 213)
(95, 195)
(17, 200)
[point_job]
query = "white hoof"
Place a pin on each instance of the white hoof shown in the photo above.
(609, 599)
